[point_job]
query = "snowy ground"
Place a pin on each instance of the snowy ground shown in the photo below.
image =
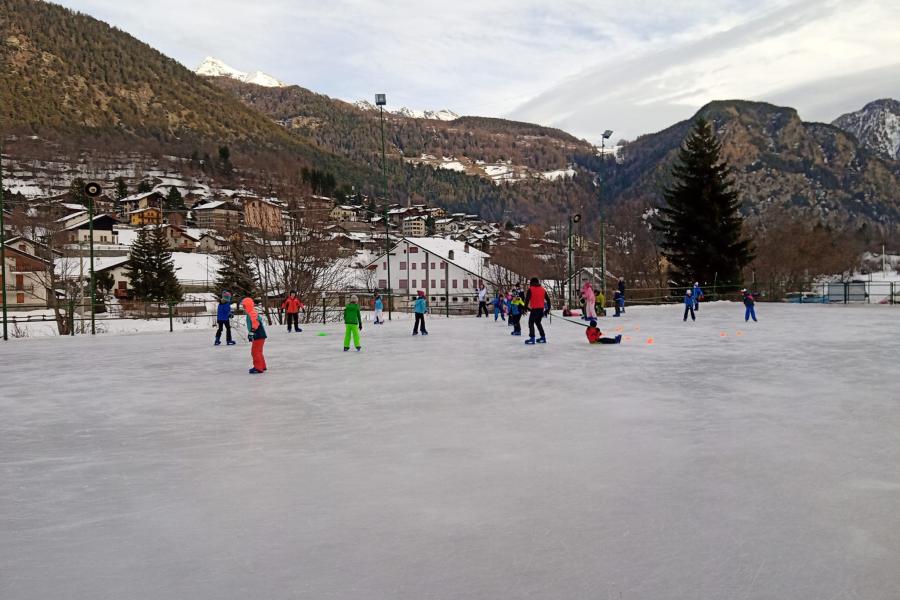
(460, 465)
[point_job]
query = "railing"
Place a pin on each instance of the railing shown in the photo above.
(19, 288)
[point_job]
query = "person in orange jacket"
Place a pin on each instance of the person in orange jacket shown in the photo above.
(291, 306)
(256, 335)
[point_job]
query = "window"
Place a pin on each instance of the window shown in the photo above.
(413, 266)
(424, 266)
(465, 284)
(465, 299)
(443, 264)
(413, 250)
(443, 284)
(402, 266)
(455, 282)
(456, 299)
(432, 283)
(432, 265)
(413, 283)
(403, 285)
(382, 283)
(384, 265)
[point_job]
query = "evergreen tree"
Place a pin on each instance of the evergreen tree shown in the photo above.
(174, 199)
(225, 160)
(144, 187)
(236, 273)
(121, 188)
(76, 191)
(151, 270)
(701, 222)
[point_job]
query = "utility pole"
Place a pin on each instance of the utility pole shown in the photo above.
(606, 136)
(92, 190)
(380, 101)
(2, 249)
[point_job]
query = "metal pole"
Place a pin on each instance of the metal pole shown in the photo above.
(603, 255)
(91, 240)
(3, 251)
(447, 286)
(387, 235)
(171, 329)
(569, 268)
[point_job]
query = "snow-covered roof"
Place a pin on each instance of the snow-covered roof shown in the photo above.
(209, 205)
(141, 196)
(72, 266)
(190, 266)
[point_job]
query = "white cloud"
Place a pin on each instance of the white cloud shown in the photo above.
(585, 65)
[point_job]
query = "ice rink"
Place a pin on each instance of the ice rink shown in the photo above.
(462, 465)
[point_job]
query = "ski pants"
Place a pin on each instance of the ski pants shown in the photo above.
(689, 309)
(516, 322)
(605, 341)
(534, 320)
(351, 330)
(482, 306)
(227, 325)
(256, 351)
(293, 318)
(498, 312)
(379, 316)
(420, 320)
(750, 313)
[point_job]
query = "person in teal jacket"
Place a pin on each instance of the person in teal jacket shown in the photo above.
(420, 308)
(352, 323)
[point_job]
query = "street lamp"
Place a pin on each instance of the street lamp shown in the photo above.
(572, 220)
(380, 101)
(2, 251)
(92, 190)
(606, 136)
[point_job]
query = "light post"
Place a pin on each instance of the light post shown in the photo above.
(92, 190)
(2, 251)
(606, 136)
(569, 274)
(380, 101)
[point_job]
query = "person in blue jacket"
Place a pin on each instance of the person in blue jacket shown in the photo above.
(749, 303)
(223, 319)
(697, 293)
(379, 310)
(689, 305)
(619, 301)
(499, 301)
(420, 308)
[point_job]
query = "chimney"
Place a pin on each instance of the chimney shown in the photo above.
(450, 255)
(466, 248)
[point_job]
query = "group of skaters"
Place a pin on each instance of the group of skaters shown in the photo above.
(510, 305)
(693, 296)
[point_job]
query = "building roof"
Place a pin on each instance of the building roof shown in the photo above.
(218, 204)
(137, 197)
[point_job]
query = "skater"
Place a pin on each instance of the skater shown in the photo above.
(256, 335)
(619, 301)
(590, 301)
(223, 319)
(749, 303)
(537, 302)
(621, 287)
(352, 323)
(507, 306)
(689, 305)
(291, 307)
(697, 293)
(498, 306)
(379, 310)
(421, 307)
(595, 336)
(482, 299)
(516, 308)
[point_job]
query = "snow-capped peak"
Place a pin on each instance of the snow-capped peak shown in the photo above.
(437, 115)
(213, 67)
(876, 126)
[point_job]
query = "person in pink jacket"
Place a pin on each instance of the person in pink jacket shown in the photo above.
(590, 301)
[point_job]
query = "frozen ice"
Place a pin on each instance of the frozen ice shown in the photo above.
(462, 465)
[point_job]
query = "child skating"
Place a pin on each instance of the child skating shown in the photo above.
(697, 293)
(498, 306)
(420, 308)
(256, 335)
(352, 323)
(379, 310)
(291, 307)
(595, 336)
(750, 306)
(223, 319)
(537, 302)
(619, 301)
(516, 308)
(689, 305)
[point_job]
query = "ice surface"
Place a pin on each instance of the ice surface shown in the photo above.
(460, 465)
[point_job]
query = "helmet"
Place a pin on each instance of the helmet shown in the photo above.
(354, 298)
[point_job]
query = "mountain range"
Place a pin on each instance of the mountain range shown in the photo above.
(86, 90)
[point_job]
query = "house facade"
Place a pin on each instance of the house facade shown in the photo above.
(25, 275)
(220, 215)
(142, 217)
(263, 215)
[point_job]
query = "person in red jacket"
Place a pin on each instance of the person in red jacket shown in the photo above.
(291, 306)
(595, 336)
(536, 300)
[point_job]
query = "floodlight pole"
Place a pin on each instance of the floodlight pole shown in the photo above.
(569, 267)
(380, 101)
(91, 241)
(2, 251)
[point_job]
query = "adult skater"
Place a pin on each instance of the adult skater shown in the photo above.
(352, 323)
(291, 307)
(621, 288)
(697, 293)
(595, 336)
(537, 301)
(420, 308)
(749, 303)
(223, 319)
(482, 299)
(256, 334)
(379, 310)
(689, 305)
(590, 301)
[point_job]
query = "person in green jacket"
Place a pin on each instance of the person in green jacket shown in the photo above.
(352, 323)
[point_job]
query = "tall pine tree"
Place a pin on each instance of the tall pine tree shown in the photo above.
(174, 199)
(701, 222)
(151, 270)
(236, 273)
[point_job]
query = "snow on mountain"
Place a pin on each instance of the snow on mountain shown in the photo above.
(876, 126)
(213, 67)
(437, 115)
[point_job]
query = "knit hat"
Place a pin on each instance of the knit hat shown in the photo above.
(421, 293)
(354, 299)
(592, 322)
(689, 292)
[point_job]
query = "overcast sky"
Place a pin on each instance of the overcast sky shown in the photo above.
(585, 65)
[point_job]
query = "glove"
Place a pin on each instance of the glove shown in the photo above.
(360, 326)
(250, 337)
